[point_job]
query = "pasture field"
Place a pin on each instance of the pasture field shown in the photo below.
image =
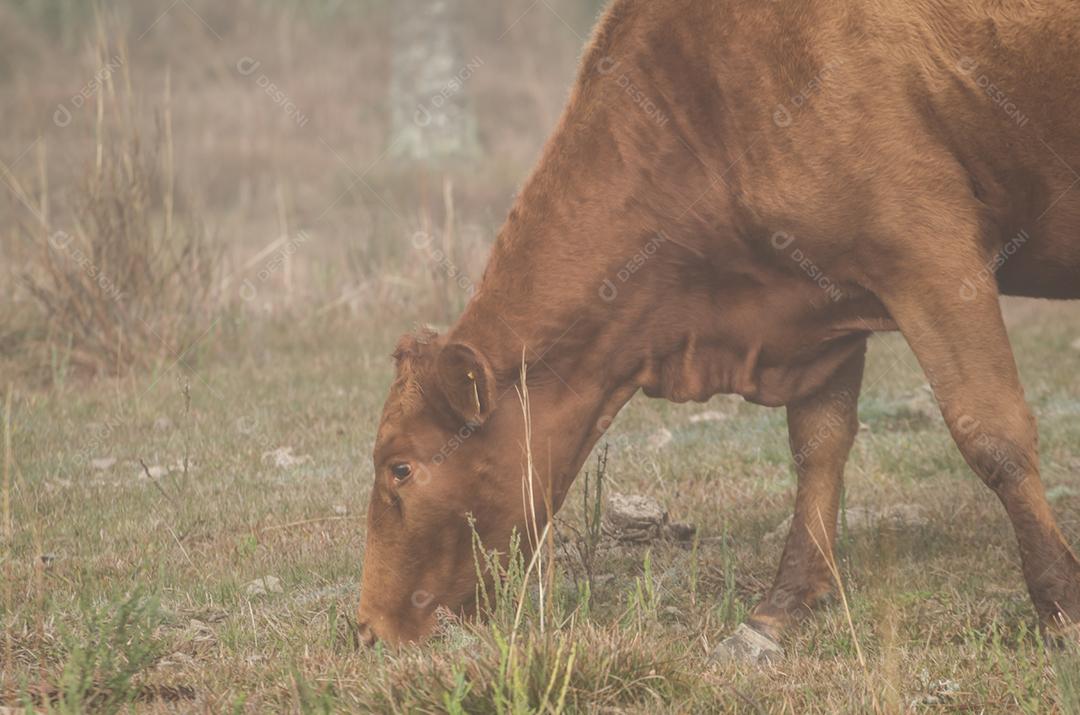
(199, 293)
(121, 586)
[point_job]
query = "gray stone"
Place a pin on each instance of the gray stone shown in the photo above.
(747, 645)
(263, 586)
(632, 517)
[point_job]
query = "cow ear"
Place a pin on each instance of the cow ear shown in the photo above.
(467, 382)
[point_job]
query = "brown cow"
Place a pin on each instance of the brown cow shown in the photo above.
(737, 195)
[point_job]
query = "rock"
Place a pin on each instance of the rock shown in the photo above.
(1076, 345)
(263, 586)
(680, 531)
(198, 636)
(897, 517)
(708, 416)
(177, 659)
(747, 645)
(163, 424)
(939, 692)
(211, 615)
(190, 642)
(334, 592)
(660, 438)
(634, 518)
(103, 463)
(341, 509)
(284, 458)
(156, 471)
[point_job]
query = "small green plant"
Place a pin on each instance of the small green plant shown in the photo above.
(310, 698)
(1067, 668)
(593, 499)
(586, 541)
(501, 582)
(730, 609)
(104, 662)
(454, 700)
(644, 597)
(695, 568)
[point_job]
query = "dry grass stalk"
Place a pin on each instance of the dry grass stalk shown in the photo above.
(131, 283)
(830, 560)
(9, 536)
(286, 232)
(532, 525)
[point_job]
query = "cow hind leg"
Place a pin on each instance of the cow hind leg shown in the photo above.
(964, 350)
(821, 429)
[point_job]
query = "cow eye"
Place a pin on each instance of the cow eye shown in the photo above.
(401, 471)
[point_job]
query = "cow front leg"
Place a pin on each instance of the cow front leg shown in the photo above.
(821, 429)
(963, 347)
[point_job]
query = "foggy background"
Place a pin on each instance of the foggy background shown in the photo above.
(169, 168)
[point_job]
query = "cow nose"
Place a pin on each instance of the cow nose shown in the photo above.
(366, 634)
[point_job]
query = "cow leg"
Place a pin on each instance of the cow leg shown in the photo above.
(964, 350)
(821, 430)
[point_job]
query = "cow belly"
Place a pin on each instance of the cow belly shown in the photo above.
(1046, 278)
(1048, 265)
(1048, 268)
(699, 373)
(784, 384)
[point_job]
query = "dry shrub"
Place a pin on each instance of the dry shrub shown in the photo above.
(132, 282)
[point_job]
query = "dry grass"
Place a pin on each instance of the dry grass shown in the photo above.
(939, 611)
(134, 282)
(243, 169)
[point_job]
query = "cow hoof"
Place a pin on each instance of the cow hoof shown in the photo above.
(747, 645)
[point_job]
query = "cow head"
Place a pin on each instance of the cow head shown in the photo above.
(450, 458)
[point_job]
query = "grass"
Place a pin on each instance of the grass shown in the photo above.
(133, 281)
(940, 612)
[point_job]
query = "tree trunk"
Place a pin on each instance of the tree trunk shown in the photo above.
(431, 118)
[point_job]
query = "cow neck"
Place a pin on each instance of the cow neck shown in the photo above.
(541, 287)
(562, 283)
(550, 315)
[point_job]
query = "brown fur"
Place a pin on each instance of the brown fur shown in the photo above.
(737, 195)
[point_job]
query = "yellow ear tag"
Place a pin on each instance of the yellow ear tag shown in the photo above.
(476, 391)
